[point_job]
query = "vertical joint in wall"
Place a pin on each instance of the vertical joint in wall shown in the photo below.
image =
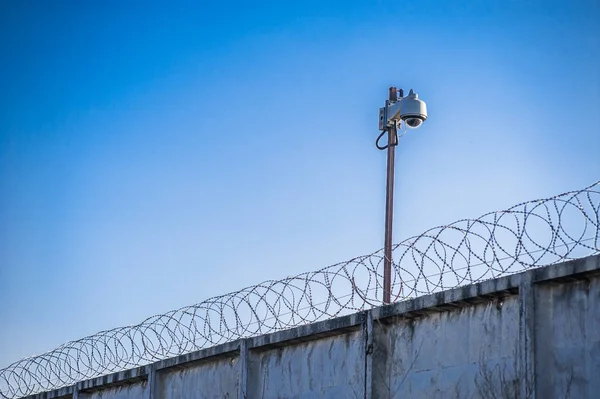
(243, 370)
(151, 389)
(526, 359)
(367, 327)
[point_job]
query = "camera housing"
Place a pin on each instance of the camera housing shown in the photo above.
(410, 110)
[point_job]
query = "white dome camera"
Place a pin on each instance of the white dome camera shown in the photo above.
(409, 109)
(412, 110)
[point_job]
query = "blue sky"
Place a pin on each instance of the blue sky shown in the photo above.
(152, 156)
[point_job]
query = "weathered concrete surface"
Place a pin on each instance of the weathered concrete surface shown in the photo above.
(214, 379)
(133, 391)
(328, 368)
(568, 339)
(530, 335)
(448, 354)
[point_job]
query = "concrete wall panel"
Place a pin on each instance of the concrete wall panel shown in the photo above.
(217, 379)
(568, 339)
(449, 354)
(328, 368)
(133, 391)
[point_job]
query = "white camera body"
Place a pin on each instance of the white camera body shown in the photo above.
(409, 109)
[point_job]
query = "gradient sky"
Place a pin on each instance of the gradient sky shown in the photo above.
(153, 156)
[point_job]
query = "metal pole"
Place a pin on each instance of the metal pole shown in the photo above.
(389, 205)
(389, 216)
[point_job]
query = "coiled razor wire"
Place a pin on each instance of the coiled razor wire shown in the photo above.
(530, 234)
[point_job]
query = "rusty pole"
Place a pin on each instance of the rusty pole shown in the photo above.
(389, 204)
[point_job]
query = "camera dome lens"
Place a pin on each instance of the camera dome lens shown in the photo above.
(413, 122)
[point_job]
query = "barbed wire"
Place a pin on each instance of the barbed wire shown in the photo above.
(531, 234)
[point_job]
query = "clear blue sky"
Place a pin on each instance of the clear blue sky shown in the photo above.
(152, 156)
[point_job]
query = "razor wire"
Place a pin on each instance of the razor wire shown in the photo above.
(531, 234)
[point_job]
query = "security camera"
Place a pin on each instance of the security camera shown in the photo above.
(409, 109)
(413, 123)
(412, 110)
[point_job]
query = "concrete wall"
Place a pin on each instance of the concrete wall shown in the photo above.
(129, 391)
(534, 334)
(214, 379)
(568, 339)
(443, 354)
(331, 367)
